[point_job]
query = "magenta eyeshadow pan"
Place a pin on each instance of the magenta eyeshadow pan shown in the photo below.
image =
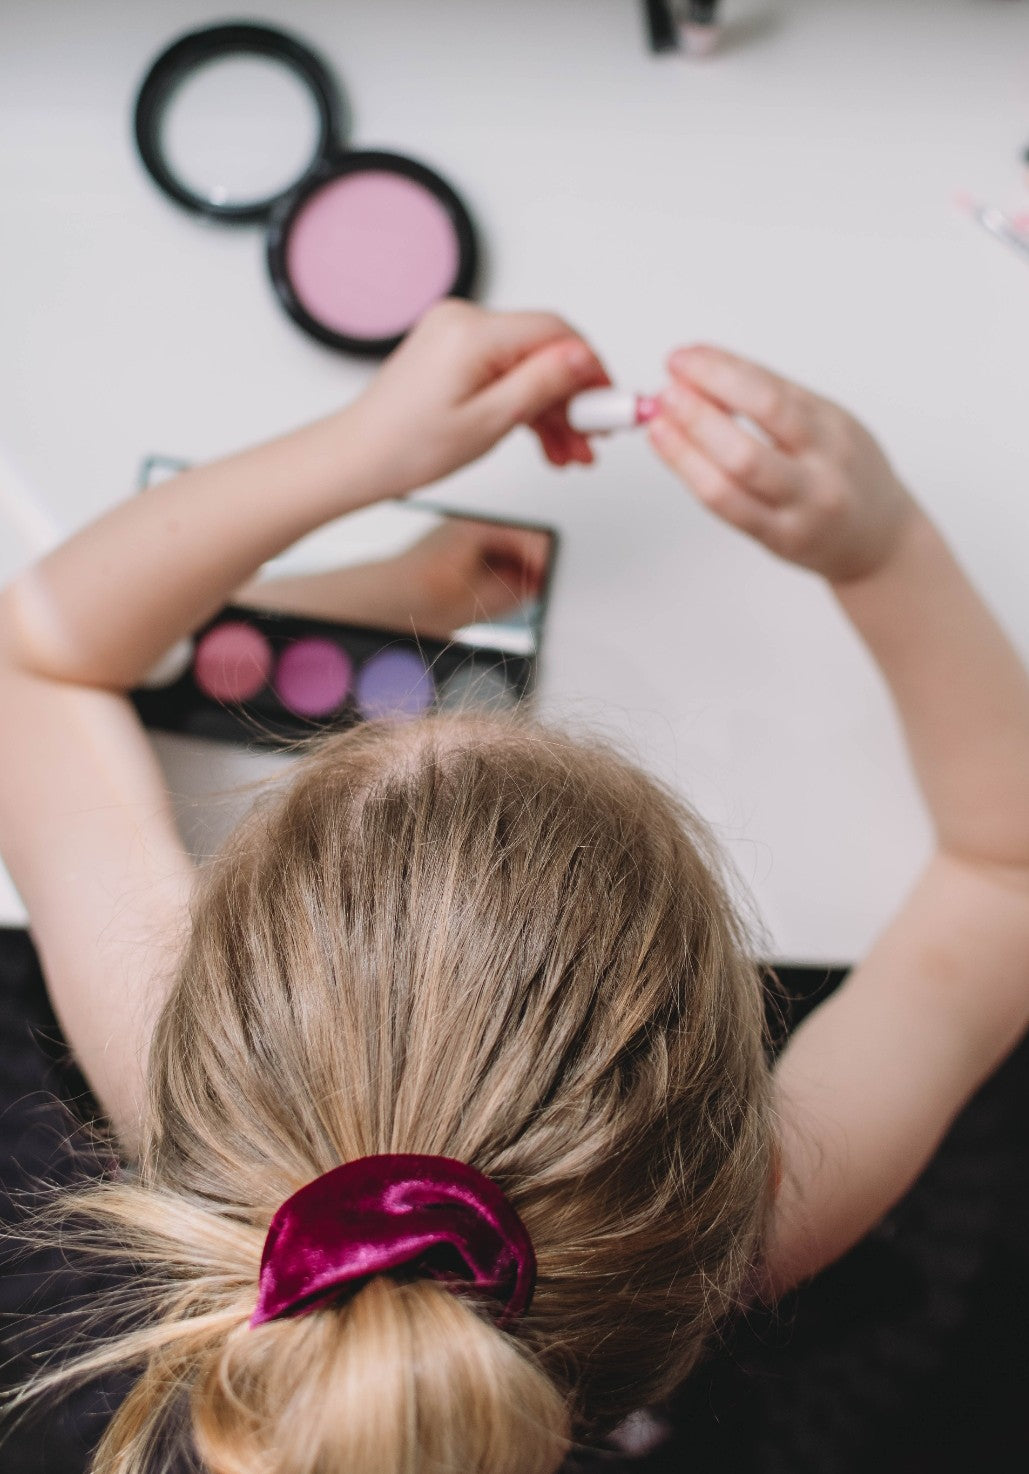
(313, 676)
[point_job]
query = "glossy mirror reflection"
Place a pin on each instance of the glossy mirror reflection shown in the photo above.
(418, 570)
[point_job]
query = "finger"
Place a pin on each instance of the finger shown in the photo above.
(523, 545)
(502, 589)
(504, 337)
(521, 580)
(783, 410)
(760, 468)
(710, 483)
(574, 443)
(578, 444)
(536, 552)
(544, 378)
(511, 336)
(551, 446)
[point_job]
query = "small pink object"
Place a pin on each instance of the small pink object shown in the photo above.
(313, 677)
(698, 40)
(232, 661)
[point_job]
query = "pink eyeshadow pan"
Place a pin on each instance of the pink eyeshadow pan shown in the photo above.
(369, 252)
(313, 677)
(232, 662)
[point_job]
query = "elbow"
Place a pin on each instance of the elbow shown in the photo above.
(34, 638)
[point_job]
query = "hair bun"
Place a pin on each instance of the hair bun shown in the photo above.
(404, 1376)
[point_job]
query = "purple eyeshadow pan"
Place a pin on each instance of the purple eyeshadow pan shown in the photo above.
(232, 661)
(313, 677)
(394, 683)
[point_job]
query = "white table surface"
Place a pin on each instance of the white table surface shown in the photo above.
(791, 198)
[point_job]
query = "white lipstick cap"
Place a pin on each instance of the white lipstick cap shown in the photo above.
(597, 410)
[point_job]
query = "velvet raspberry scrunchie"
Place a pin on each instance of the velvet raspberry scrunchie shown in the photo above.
(429, 1216)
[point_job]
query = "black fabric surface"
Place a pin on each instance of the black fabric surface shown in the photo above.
(42, 1095)
(909, 1355)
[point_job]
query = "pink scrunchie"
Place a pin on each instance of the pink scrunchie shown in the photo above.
(428, 1216)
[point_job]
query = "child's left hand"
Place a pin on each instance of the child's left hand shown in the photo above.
(812, 485)
(461, 380)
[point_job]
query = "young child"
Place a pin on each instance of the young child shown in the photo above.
(449, 1129)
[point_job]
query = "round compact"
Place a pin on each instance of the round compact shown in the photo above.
(365, 245)
(243, 123)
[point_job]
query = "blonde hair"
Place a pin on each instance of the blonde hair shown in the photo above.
(466, 937)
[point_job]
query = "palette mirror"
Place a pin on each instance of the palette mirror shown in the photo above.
(417, 569)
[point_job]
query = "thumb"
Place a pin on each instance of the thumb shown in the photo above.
(545, 377)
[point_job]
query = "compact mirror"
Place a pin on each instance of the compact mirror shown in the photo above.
(240, 130)
(231, 118)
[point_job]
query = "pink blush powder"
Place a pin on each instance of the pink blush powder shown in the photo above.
(369, 252)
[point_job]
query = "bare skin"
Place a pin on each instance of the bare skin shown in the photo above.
(870, 1082)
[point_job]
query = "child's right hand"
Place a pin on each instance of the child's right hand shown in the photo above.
(819, 492)
(461, 380)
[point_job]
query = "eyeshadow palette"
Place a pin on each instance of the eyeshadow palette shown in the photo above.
(387, 612)
(261, 676)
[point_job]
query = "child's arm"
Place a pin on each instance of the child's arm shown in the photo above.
(86, 826)
(870, 1082)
